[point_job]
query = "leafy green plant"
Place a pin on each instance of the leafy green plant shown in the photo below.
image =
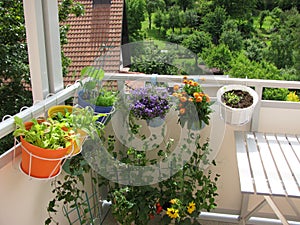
(106, 98)
(278, 94)
(70, 191)
(232, 98)
(191, 187)
(48, 134)
(93, 89)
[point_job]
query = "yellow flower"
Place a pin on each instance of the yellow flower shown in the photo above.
(172, 213)
(173, 201)
(191, 207)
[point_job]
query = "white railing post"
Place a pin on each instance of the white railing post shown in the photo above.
(53, 50)
(34, 22)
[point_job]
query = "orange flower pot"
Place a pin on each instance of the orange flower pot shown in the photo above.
(39, 162)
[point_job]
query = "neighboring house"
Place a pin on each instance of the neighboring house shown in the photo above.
(95, 38)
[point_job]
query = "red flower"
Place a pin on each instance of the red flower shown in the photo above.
(159, 208)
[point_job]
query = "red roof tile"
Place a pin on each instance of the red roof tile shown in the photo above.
(99, 29)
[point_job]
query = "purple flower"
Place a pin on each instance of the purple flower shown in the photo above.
(148, 103)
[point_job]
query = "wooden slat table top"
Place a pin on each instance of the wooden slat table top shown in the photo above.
(268, 164)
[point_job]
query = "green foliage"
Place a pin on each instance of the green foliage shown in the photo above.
(231, 36)
(191, 185)
(65, 9)
(135, 10)
(197, 41)
(238, 9)
(213, 22)
(152, 61)
(218, 57)
(45, 134)
(152, 6)
(278, 94)
(106, 98)
(70, 191)
(242, 67)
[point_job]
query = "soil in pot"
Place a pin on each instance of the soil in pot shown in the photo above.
(237, 99)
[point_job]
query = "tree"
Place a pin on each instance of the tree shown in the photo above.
(213, 22)
(196, 42)
(175, 20)
(151, 7)
(135, 10)
(186, 4)
(218, 57)
(191, 18)
(231, 36)
(238, 9)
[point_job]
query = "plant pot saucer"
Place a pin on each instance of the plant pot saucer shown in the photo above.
(39, 178)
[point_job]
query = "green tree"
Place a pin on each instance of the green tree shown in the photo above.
(186, 4)
(159, 19)
(254, 49)
(218, 57)
(196, 42)
(231, 36)
(135, 10)
(175, 20)
(14, 69)
(238, 9)
(151, 7)
(191, 18)
(213, 22)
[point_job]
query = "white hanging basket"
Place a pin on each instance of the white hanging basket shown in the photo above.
(236, 116)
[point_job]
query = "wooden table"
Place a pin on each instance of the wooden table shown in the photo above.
(268, 165)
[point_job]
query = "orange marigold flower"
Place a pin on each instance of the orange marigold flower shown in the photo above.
(195, 84)
(196, 94)
(199, 99)
(182, 111)
(207, 98)
(174, 94)
(191, 82)
(185, 77)
(191, 99)
(185, 81)
(183, 99)
(179, 95)
(176, 87)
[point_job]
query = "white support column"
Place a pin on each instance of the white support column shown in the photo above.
(34, 21)
(53, 50)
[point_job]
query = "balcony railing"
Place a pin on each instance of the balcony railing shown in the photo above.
(269, 116)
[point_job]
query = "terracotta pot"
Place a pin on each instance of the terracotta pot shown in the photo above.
(39, 162)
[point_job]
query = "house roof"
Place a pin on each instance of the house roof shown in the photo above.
(94, 38)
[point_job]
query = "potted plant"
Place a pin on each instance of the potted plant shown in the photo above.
(82, 120)
(94, 94)
(237, 103)
(193, 104)
(44, 143)
(150, 104)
